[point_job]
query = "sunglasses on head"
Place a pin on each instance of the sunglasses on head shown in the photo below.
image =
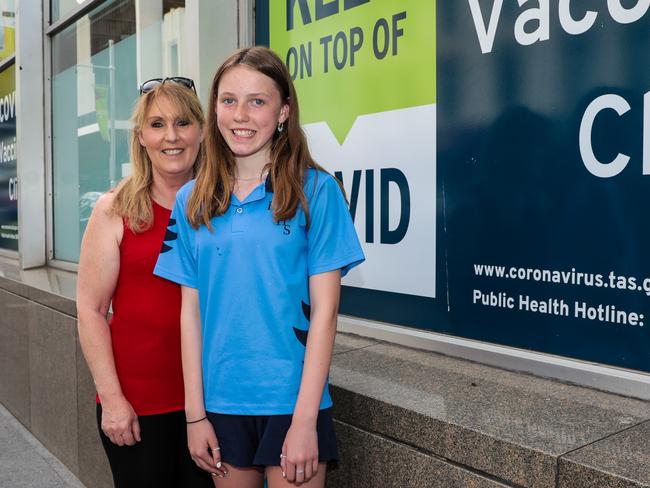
(149, 85)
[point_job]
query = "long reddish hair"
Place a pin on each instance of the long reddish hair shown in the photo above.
(290, 155)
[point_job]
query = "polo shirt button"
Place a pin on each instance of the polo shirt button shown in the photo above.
(239, 210)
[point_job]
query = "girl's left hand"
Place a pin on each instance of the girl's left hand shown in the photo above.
(299, 458)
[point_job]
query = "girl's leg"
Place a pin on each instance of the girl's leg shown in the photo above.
(275, 479)
(240, 478)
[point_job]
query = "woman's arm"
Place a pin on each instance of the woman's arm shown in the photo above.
(99, 266)
(301, 444)
(201, 439)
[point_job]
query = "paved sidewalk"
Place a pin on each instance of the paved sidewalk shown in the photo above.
(25, 462)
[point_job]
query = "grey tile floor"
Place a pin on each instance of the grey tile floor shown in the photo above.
(25, 462)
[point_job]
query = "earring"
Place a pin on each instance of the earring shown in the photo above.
(280, 126)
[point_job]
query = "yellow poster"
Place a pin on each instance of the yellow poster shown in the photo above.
(8, 29)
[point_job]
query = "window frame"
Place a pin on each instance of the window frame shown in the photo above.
(72, 16)
(51, 29)
(30, 108)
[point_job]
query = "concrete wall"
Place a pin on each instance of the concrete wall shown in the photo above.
(46, 384)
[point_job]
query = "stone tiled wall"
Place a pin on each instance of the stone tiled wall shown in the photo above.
(46, 385)
(371, 460)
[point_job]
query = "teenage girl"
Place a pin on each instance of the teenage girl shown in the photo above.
(260, 241)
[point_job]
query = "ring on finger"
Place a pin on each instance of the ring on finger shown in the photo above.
(300, 471)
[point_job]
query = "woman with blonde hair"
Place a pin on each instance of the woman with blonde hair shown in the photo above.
(135, 358)
(262, 238)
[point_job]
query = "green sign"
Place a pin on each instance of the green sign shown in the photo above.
(365, 73)
(356, 57)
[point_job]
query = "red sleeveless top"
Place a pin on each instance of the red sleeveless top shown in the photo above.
(145, 327)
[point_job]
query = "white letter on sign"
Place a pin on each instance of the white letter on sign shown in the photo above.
(595, 167)
(540, 16)
(624, 15)
(571, 25)
(486, 35)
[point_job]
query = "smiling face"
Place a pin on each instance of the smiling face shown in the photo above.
(248, 108)
(172, 142)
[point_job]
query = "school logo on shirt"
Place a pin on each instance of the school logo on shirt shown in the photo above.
(286, 227)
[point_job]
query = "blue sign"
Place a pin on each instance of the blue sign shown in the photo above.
(544, 144)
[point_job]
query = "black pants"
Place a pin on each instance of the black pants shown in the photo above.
(159, 460)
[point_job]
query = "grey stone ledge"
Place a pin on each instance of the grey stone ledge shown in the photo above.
(51, 287)
(369, 460)
(619, 461)
(511, 426)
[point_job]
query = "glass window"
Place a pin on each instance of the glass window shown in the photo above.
(97, 64)
(60, 8)
(7, 29)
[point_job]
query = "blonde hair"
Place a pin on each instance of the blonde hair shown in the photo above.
(133, 195)
(290, 155)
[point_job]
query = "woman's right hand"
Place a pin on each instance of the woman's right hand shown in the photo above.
(120, 422)
(204, 447)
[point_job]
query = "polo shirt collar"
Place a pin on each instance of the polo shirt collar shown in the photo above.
(268, 186)
(257, 194)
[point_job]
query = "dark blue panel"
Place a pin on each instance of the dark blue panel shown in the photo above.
(519, 195)
(262, 22)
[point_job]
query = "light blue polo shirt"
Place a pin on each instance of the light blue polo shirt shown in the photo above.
(253, 280)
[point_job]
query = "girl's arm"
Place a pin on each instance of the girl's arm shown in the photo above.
(301, 443)
(201, 439)
(99, 267)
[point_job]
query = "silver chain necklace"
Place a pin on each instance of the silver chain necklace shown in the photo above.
(253, 178)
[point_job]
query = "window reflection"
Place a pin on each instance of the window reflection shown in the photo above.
(97, 65)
